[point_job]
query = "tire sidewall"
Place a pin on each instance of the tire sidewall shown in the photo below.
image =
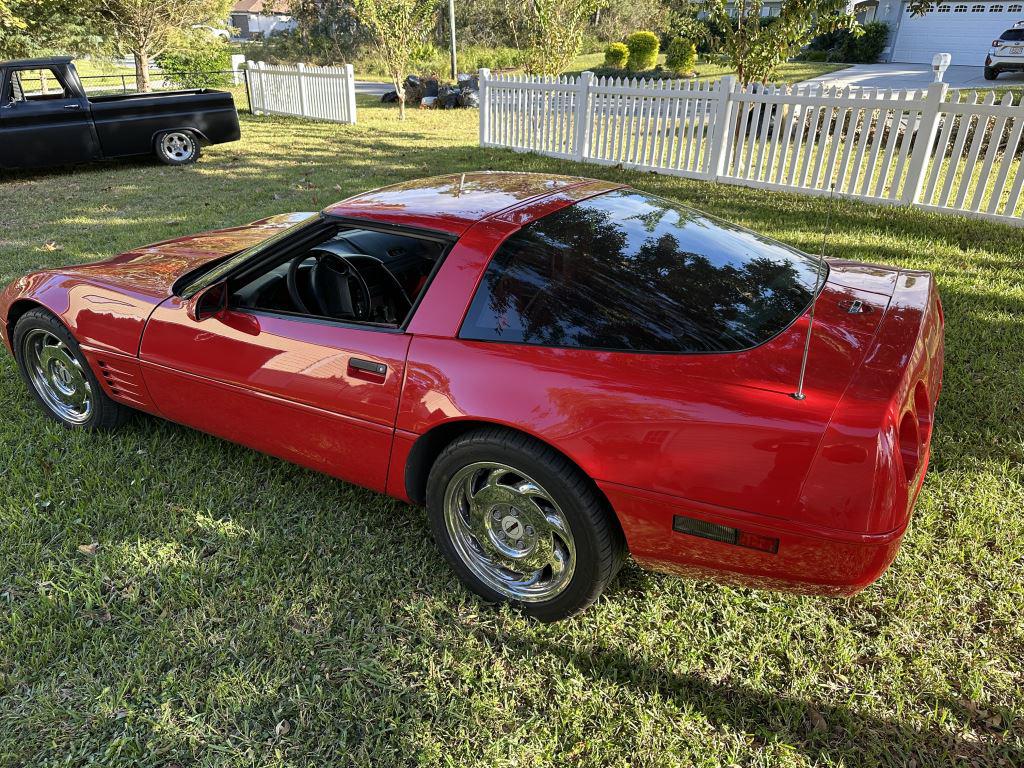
(45, 321)
(580, 587)
(164, 158)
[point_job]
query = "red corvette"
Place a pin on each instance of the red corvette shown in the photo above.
(561, 369)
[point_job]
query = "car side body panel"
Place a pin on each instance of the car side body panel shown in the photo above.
(716, 437)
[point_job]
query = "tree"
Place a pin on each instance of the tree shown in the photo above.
(144, 29)
(397, 28)
(32, 27)
(757, 46)
(620, 17)
(550, 31)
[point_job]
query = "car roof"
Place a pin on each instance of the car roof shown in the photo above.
(453, 203)
(43, 62)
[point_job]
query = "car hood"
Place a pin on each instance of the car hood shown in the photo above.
(153, 269)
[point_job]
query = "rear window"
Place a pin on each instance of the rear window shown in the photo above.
(628, 271)
(1012, 35)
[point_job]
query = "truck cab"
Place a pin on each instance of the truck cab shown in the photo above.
(47, 119)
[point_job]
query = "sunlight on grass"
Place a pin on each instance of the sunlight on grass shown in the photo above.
(232, 592)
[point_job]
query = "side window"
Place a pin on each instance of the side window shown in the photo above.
(627, 271)
(352, 275)
(36, 85)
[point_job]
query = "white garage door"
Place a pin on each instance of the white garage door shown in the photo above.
(965, 30)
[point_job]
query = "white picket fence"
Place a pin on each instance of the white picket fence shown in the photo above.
(318, 93)
(909, 147)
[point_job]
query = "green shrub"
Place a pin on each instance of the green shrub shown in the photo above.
(868, 47)
(197, 60)
(643, 50)
(681, 56)
(812, 55)
(841, 45)
(427, 59)
(616, 56)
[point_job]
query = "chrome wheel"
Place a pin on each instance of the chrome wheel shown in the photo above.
(509, 532)
(57, 376)
(177, 146)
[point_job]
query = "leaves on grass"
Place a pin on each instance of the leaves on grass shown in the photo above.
(89, 549)
(51, 245)
(283, 728)
(816, 721)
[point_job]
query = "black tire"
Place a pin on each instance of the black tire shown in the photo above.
(991, 74)
(38, 324)
(597, 538)
(178, 147)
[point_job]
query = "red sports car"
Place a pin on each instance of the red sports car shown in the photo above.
(561, 369)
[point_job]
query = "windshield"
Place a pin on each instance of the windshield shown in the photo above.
(208, 274)
(628, 271)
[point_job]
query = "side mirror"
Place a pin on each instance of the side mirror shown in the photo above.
(210, 301)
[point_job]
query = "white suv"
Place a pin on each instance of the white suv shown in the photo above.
(1006, 53)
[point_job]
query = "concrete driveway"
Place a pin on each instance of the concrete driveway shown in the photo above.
(913, 76)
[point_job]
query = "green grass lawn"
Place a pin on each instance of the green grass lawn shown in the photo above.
(240, 611)
(789, 72)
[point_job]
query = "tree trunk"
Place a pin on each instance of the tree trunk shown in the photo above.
(142, 71)
(400, 90)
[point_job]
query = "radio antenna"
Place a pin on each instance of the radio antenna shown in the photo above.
(799, 394)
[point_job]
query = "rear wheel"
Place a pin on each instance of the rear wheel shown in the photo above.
(59, 376)
(177, 147)
(991, 74)
(521, 524)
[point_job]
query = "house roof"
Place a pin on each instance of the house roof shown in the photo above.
(261, 6)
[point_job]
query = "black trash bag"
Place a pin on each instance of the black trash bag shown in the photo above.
(430, 87)
(414, 90)
(469, 82)
(447, 97)
(391, 97)
(468, 98)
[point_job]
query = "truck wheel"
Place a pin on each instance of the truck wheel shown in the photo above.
(521, 524)
(991, 74)
(59, 377)
(177, 147)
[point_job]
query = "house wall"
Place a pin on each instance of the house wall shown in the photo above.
(252, 24)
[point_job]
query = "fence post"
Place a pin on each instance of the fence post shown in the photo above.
(923, 142)
(722, 137)
(350, 92)
(237, 60)
(485, 109)
(256, 104)
(581, 139)
(301, 69)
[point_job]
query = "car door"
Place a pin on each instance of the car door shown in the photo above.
(318, 393)
(44, 120)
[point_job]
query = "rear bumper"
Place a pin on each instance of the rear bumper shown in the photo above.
(1005, 63)
(810, 559)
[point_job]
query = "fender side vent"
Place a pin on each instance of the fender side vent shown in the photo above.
(723, 533)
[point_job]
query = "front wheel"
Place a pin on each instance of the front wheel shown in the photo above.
(177, 147)
(59, 376)
(521, 524)
(991, 74)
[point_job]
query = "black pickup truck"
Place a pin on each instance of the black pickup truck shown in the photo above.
(47, 119)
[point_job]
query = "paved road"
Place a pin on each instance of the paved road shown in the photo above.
(373, 88)
(913, 76)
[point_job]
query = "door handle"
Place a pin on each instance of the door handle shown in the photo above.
(72, 106)
(367, 369)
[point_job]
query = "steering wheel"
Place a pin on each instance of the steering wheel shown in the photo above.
(331, 280)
